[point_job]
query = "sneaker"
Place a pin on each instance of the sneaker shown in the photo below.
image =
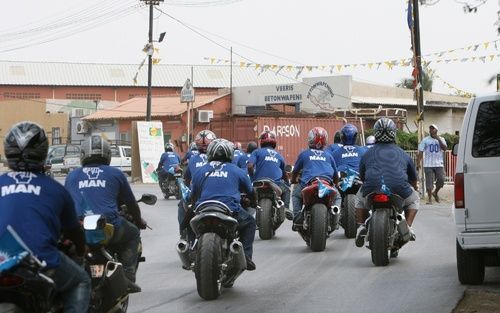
(394, 253)
(289, 214)
(250, 264)
(413, 237)
(360, 236)
(436, 197)
(133, 287)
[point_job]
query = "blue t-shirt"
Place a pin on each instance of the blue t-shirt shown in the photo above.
(243, 160)
(224, 183)
(169, 159)
(268, 163)
(99, 189)
(38, 208)
(347, 157)
(315, 163)
(333, 147)
(389, 161)
(236, 156)
(189, 154)
(196, 162)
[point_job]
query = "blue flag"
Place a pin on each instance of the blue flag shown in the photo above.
(323, 190)
(347, 182)
(12, 249)
(409, 17)
(186, 192)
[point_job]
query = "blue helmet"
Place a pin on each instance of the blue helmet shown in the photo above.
(348, 134)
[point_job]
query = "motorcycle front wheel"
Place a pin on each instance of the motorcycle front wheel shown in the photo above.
(208, 266)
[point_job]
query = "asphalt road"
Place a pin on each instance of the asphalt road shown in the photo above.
(290, 278)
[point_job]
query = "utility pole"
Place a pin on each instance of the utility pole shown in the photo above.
(150, 51)
(419, 87)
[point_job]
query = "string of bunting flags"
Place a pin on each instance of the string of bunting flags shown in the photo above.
(458, 91)
(149, 49)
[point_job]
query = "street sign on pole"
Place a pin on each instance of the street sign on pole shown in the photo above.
(187, 92)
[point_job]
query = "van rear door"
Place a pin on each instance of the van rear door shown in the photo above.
(482, 166)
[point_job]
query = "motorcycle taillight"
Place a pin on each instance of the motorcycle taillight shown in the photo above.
(8, 280)
(380, 198)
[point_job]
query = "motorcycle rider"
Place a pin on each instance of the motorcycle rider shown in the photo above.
(388, 161)
(237, 152)
(313, 162)
(243, 160)
(98, 188)
(266, 162)
(223, 181)
(39, 208)
(168, 159)
(193, 150)
(349, 154)
(337, 144)
(202, 140)
(370, 141)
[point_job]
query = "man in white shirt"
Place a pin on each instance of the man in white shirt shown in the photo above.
(431, 148)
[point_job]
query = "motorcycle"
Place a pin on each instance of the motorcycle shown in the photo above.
(349, 186)
(169, 185)
(23, 285)
(319, 214)
(217, 256)
(270, 212)
(109, 283)
(387, 227)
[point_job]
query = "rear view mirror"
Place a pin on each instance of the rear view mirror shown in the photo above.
(148, 199)
(454, 151)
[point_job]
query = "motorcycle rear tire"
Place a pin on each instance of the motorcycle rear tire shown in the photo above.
(208, 269)
(319, 227)
(10, 308)
(266, 219)
(379, 237)
(350, 218)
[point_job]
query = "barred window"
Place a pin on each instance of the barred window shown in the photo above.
(83, 96)
(21, 95)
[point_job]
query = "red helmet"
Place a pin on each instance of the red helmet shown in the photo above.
(203, 139)
(267, 138)
(318, 138)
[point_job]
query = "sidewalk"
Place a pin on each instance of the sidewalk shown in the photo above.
(446, 195)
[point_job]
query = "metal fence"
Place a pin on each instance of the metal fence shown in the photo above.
(450, 162)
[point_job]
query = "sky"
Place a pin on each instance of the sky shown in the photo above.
(274, 32)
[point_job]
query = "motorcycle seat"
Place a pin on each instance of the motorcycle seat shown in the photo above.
(213, 205)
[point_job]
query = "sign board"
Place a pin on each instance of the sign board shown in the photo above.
(187, 92)
(151, 147)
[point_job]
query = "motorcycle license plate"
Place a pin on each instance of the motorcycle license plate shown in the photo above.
(96, 270)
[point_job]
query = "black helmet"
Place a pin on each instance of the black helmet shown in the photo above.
(385, 130)
(26, 147)
(169, 147)
(95, 150)
(220, 150)
(252, 145)
(336, 138)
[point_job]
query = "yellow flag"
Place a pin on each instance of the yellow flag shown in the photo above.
(289, 68)
(212, 60)
(274, 66)
(486, 44)
(339, 67)
(370, 65)
(242, 64)
(309, 68)
(492, 56)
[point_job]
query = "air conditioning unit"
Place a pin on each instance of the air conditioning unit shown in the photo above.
(82, 127)
(204, 116)
(77, 112)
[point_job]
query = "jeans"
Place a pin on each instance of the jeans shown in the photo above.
(181, 215)
(285, 193)
(246, 228)
(74, 285)
(125, 242)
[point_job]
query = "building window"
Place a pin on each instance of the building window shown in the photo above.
(56, 135)
(124, 137)
(83, 96)
(21, 95)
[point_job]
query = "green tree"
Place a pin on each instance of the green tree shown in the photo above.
(427, 81)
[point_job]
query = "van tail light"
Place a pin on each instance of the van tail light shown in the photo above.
(459, 191)
(380, 198)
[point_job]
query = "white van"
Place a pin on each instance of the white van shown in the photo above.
(477, 192)
(121, 157)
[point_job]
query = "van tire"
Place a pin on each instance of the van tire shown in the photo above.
(470, 266)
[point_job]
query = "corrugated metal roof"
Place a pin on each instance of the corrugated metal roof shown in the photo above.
(164, 75)
(160, 106)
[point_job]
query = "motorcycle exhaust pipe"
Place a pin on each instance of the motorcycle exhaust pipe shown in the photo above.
(182, 248)
(402, 226)
(238, 254)
(280, 203)
(335, 210)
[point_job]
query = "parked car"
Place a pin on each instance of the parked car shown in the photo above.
(476, 208)
(121, 157)
(62, 158)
